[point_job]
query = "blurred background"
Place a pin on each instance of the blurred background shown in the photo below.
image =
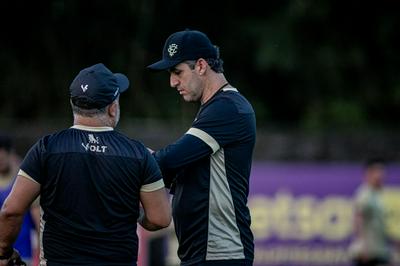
(323, 76)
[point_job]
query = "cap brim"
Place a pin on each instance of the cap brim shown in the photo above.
(163, 65)
(123, 81)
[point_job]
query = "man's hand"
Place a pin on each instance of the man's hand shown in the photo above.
(14, 260)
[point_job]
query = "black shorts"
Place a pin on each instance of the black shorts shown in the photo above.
(371, 262)
(225, 263)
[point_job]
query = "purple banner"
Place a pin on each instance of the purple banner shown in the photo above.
(302, 212)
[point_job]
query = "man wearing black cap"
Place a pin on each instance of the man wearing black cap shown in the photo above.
(91, 180)
(208, 168)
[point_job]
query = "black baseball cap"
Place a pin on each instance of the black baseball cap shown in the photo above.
(185, 45)
(96, 87)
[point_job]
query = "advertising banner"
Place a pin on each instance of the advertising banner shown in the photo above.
(302, 215)
(302, 212)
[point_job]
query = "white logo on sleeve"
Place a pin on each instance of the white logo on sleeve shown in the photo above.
(84, 88)
(94, 144)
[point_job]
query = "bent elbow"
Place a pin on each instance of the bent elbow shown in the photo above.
(8, 213)
(166, 222)
(161, 221)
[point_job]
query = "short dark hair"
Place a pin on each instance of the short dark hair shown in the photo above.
(215, 64)
(370, 161)
(87, 112)
(6, 142)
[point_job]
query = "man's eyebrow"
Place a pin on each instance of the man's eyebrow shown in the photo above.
(173, 69)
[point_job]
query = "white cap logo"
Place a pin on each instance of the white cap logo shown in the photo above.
(84, 88)
(116, 91)
(172, 49)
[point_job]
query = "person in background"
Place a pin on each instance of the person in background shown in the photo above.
(371, 244)
(208, 168)
(27, 240)
(91, 180)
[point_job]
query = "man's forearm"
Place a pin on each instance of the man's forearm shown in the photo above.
(9, 228)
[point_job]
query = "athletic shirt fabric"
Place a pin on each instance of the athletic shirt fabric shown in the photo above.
(90, 180)
(209, 168)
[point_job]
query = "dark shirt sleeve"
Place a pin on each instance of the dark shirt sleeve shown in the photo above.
(32, 163)
(218, 124)
(151, 170)
(176, 156)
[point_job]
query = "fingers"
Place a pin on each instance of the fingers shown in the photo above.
(15, 260)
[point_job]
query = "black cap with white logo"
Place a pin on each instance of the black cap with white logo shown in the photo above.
(185, 45)
(96, 87)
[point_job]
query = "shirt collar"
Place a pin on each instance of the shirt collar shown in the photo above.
(88, 128)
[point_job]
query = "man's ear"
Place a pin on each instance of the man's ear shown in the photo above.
(202, 65)
(113, 109)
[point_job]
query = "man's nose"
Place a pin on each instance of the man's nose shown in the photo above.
(173, 81)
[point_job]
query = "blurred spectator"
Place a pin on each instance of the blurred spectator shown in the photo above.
(26, 242)
(370, 246)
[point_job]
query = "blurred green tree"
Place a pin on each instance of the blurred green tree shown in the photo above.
(303, 63)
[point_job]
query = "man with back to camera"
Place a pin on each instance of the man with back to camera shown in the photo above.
(91, 180)
(208, 168)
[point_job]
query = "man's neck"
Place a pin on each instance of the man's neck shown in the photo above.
(92, 122)
(213, 86)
